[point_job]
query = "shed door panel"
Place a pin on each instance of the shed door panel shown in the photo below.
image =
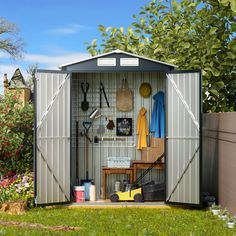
(183, 129)
(52, 137)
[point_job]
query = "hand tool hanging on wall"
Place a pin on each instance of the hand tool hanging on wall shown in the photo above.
(86, 182)
(101, 129)
(86, 125)
(102, 90)
(110, 124)
(97, 139)
(85, 103)
(77, 152)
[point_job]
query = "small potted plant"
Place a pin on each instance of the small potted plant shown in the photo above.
(224, 214)
(231, 222)
(215, 209)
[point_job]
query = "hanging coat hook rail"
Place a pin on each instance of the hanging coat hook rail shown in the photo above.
(97, 139)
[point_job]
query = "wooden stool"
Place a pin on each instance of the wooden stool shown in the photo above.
(107, 171)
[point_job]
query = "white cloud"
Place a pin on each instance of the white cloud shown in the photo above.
(10, 69)
(53, 61)
(43, 61)
(69, 29)
(4, 55)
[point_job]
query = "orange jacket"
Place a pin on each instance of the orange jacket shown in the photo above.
(142, 128)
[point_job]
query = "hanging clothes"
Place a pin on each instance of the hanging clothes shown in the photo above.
(142, 128)
(158, 116)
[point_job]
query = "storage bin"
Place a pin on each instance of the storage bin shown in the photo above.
(118, 162)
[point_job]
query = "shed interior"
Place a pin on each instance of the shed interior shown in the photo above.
(97, 153)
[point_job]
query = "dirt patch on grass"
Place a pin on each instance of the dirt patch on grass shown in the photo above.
(37, 226)
(14, 207)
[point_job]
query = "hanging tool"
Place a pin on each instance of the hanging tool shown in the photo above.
(85, 103)
(110, 124)
(102, 90)
(101, 129)
(77, 152)
(97, 139)
(86, 125)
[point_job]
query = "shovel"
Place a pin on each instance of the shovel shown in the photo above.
(85, 103)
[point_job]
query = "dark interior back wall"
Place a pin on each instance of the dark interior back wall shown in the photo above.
(98, 153)
(219, 160)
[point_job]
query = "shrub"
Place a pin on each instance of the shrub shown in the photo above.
(16, 136)
(18, 187)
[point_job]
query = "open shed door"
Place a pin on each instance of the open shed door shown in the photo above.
(52, 137)
(183, 107)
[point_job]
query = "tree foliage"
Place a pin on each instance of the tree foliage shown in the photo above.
(192, 34)
(9, 40)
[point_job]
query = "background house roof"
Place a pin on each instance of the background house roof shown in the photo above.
(17, 80)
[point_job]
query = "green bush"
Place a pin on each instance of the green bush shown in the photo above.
(16, 136)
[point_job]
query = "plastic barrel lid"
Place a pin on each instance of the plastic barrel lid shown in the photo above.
(79, 188)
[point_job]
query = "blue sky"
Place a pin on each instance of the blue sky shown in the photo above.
(54, 31)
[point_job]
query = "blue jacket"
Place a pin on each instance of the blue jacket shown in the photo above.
(158, 116)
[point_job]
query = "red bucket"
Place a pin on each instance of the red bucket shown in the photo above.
(79, 193)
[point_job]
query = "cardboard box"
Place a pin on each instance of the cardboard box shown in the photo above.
(150, 154)
(157, 142)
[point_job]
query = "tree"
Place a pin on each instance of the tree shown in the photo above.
(9, 40)
(32, 69)
(191, 34)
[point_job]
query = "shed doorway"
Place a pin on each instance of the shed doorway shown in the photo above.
(91, 157)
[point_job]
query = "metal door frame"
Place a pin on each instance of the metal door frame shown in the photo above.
(35, 136)
(200, 136)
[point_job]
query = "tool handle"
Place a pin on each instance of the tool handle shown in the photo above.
(89, 139)
(100, 97)
(87, 125)
(103, 90)
(157, 161)
(85, 90)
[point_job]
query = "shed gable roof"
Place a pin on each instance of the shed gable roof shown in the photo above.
(116, 52)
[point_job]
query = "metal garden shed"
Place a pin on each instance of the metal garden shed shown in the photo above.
(57, 111)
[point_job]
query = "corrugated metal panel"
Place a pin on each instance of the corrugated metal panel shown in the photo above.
(219, 162)
(183, 103)
(53, 137)
(98, 153)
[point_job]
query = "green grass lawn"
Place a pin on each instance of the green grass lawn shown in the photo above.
(119, 221)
